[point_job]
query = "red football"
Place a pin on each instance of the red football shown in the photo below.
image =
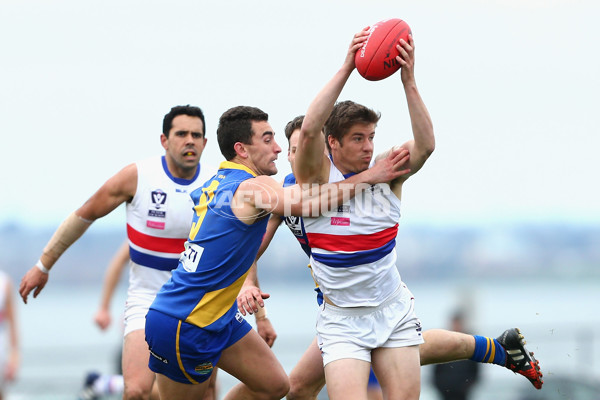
(376, 59)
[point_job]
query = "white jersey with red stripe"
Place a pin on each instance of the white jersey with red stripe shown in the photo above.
(160, 215)
(353, 249)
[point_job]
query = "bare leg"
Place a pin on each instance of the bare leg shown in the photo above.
(444, 346)
(251, 361)
(171, 390)
(212, 390)
(137, 376)
(398, 372)
(347, 379)
(308, 377)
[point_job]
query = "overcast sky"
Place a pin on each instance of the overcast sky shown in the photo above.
(512, 86)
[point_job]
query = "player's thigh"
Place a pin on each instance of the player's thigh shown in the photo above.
(398, 371)
(172, 390)
(211, 391)
(347, 379)
(135, 361)
(308, 376)
(258, 362)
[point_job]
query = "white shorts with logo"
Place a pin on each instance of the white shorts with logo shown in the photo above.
(352, 332)
(144, 283)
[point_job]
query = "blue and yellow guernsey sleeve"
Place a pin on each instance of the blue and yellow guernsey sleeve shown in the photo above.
(217, 256)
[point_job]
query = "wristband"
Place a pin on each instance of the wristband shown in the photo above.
(261, 313)
(41, 267)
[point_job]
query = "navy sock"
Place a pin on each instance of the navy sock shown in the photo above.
(488, 350)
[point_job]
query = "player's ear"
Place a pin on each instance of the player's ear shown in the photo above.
(332, 142)
(163, 140)
(240, 149)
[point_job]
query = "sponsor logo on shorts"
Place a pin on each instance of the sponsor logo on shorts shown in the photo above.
(204, 368)
(159, 358)
(321, 349)
(239, 317)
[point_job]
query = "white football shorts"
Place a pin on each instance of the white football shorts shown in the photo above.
(144, 283)
(352, 332)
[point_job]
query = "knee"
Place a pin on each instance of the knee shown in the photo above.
(280, 389)
(302, 390)
(135, 393)
(274, 388)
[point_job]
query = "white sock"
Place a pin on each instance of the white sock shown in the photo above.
(109, 384)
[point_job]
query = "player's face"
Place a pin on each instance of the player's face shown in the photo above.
(293, 145)
(355, 152)
(264, 149)
(185, 143)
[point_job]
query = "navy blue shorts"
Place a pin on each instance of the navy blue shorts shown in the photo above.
(184, 352)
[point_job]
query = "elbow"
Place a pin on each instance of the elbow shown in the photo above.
(430, 148)
(429, 145)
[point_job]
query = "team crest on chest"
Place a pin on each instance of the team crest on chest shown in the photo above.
(157, 209)
(294, 223)
(159, 198)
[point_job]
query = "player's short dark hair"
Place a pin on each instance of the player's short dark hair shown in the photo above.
(344, 115)
(235, 125)
(191, 111)
(291, 126)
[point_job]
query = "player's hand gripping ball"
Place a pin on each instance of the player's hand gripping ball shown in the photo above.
(376, 59)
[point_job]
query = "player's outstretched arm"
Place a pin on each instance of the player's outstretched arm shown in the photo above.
(113, 274)
(310, 165)
(118, 189)
(423, 143)
(313, 200)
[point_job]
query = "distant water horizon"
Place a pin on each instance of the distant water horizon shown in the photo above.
(424, 253)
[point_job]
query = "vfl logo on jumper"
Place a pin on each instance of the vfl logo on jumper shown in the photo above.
(295, 225)
(159, 199)
(204, 368)
(159, 358)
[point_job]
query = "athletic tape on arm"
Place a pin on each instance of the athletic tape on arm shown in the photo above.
(67, 233)
(261, 313)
